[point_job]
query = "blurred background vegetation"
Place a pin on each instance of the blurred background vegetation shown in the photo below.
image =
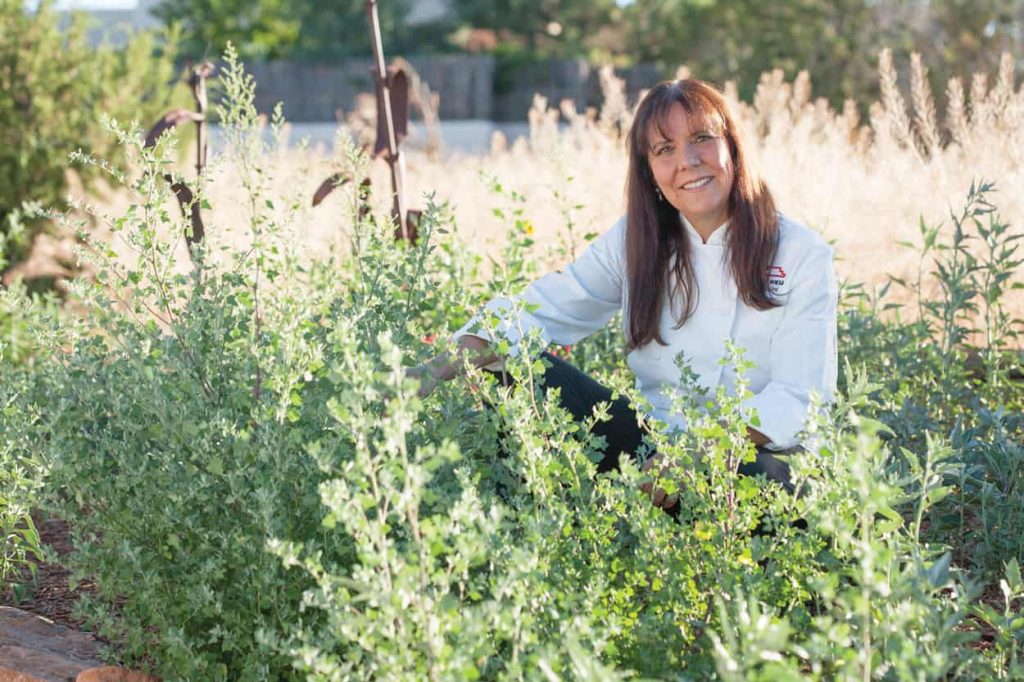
(57, 82)
(836, 41)
(55, 86)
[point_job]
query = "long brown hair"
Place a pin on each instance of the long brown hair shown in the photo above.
(655, 234)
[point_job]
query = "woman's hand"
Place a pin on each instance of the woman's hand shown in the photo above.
(422, 373)
(656, 468)
(444, 366)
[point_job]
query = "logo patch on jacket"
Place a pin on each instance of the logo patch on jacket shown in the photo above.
(776, 279)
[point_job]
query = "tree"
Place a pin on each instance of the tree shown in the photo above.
(334, 29)
(259, 28)
(740, 39)
(54, 88)
(285, 29)
(968, 36)
(836, 41)
(555, 27)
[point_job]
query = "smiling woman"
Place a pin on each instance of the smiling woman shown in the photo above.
(700, 260)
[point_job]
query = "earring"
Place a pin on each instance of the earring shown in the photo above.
(657, 191)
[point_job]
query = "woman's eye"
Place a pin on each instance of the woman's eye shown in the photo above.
(703, 137)
(662, 150)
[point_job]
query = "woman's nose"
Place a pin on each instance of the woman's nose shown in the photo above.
(688, 157)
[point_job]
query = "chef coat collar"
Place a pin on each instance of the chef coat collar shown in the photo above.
(717, 237)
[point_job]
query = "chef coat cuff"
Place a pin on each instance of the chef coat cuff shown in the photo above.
(781, 416)
(513, 325)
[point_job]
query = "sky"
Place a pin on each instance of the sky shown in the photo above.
(87, 4)
(132, 4)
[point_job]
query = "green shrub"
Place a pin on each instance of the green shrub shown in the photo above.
(54, 86)
(259, 493)
(24, 346)
(180, 417)
(946, 367)
(20, 481)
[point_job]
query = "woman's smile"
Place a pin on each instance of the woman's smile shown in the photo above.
(698, 184)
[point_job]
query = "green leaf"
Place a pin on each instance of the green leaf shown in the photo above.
(1013, 574)
(892, 520)
(938, 573)
(215, 466)
(936, 495)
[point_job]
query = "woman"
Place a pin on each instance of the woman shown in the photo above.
(701, 256)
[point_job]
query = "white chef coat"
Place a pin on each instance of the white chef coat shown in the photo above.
(792, 346)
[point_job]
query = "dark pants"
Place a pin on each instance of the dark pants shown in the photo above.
(580, 393)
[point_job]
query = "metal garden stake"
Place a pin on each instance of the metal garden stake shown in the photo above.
(383, 82)
(186, 199)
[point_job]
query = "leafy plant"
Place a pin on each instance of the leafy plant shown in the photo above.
(19, 473)
(1007, 625)
(53, 89)
(259, 492)
(23, 347)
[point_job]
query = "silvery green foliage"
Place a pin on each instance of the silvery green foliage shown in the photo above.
(179, 424)
(258, 492)
(26, 339)
(20, 478)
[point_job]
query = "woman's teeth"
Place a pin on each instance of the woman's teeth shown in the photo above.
(697, 183)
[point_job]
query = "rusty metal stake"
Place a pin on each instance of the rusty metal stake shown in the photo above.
(384, 96)
(186, 199)
(197, 81)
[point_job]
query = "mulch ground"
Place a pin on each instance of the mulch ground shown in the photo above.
(47, 593)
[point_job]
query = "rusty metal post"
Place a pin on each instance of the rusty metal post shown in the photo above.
(384, 96)
(197, 76)
(197, 81)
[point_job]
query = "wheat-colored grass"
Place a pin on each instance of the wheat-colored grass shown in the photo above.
(862, 186)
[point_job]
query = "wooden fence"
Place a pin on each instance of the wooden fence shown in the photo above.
(471, 87)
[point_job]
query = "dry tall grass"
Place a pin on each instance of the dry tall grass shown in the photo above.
(863, 185)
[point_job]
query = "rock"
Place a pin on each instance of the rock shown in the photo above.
(8, 675)
(113, 674)
(35, 648)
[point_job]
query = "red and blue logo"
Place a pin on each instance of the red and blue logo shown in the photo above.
(776, 279)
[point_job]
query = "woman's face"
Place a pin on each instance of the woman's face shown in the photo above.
(692, 167)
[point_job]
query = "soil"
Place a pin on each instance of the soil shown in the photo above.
(41, 639)
(48, 594)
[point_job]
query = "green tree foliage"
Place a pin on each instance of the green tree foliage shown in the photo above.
(333, 29)
(959, 37)
(275, 29)
(739, 39)
(262, 28)
(555, 27)
(836, 41)
(54, 87)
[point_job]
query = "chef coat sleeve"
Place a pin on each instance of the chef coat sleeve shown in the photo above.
(564, 306)
(803, 355)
